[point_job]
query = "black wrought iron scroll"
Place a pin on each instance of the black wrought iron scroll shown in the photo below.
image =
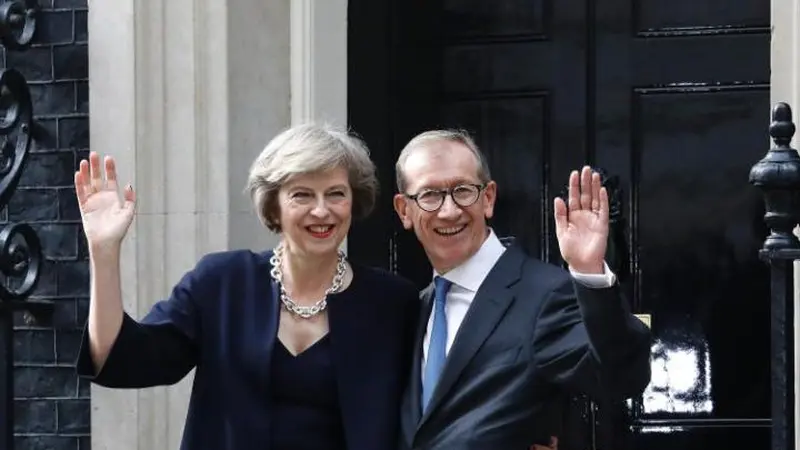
(20, 249)
(778, 176)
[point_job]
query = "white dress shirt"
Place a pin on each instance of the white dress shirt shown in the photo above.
(467, 278)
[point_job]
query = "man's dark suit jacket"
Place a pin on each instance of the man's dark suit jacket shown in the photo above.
(222, 319)
(530, 334)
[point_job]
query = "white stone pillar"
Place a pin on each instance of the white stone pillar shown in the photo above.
(785, 61)
(785, 87)
(319, 60)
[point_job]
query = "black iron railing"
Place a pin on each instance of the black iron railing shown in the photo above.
(20, 250)
(778, 176)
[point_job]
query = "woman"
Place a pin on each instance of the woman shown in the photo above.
(294, 348)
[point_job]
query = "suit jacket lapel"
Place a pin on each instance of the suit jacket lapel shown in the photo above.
(412, 408)
(490, 303)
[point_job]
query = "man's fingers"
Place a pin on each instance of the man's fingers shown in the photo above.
(561, 215)
(596, 185)
(586, 188)
(574, 193)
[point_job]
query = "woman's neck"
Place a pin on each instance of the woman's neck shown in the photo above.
(307, 277)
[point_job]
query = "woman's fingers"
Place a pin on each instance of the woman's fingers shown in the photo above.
(95, 174)
(111, 173)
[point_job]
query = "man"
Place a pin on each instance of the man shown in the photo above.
(503, 335)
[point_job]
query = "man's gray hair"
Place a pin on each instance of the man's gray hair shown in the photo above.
(435, 136)
(310, 148)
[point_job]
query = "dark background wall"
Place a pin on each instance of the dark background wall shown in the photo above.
(52, 405)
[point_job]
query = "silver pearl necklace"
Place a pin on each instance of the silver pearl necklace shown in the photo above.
(306, 312)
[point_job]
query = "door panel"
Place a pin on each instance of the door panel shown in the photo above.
(671, 99)
(697, 259)
(478, 18)
(694, 15)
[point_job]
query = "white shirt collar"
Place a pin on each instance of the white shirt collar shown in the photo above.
(471, 273)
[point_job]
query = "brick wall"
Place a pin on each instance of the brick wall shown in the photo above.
(52, 405)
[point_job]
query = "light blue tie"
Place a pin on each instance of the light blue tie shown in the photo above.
(438, 342)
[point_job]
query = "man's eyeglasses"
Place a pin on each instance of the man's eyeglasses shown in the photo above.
(463, 195)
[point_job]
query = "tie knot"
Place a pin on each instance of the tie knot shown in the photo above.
(442, 285)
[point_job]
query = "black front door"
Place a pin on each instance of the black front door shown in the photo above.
(671, 100)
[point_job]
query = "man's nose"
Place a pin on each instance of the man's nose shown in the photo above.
(449, 209)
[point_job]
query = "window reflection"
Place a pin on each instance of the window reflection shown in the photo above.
(681, 378)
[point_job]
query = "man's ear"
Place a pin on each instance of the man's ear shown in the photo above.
(401, 208)
(490, 194)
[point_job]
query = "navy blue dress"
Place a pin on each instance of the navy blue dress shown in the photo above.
(221, 320)
(304, 399)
